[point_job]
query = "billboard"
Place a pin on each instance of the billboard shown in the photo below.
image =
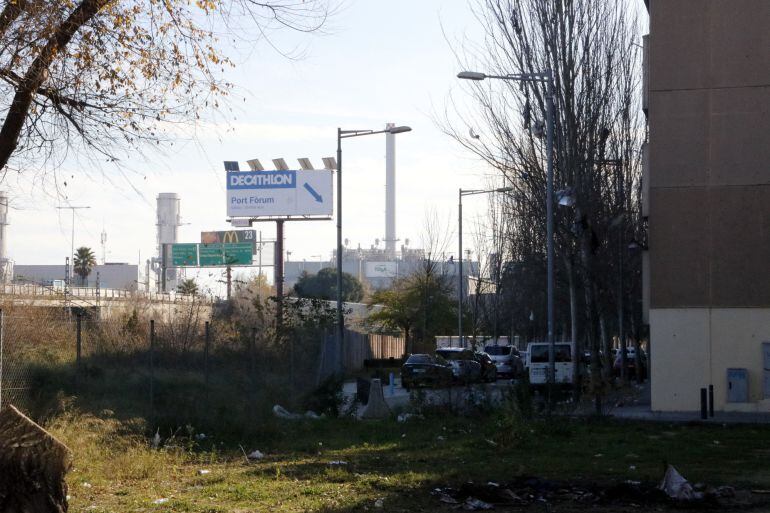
(381, 269)
(231, 237)
(279, 193)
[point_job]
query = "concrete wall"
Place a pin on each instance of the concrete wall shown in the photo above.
(709, 198)
(694, 347)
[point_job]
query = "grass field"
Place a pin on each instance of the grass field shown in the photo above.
(399, 463)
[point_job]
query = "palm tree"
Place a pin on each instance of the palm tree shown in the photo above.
(83, 263)
(188, 287)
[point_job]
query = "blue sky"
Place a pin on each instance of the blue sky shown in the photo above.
(380, 62)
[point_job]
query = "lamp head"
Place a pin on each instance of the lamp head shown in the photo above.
(471, 75)
(399, 129)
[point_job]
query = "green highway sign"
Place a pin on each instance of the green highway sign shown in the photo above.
(184, 255)
(217, 255)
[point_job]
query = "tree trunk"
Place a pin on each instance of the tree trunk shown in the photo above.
(36, 75)
(606, 349)
(574, 329)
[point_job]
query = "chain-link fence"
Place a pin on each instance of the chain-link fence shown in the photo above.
(185, 371)
(168, 372)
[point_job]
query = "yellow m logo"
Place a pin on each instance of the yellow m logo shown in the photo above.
(230, 237)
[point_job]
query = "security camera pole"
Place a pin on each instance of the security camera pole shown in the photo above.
(547, 77)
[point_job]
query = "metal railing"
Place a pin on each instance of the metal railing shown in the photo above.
(62, 293)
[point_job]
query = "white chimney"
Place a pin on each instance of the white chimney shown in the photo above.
(168, 230)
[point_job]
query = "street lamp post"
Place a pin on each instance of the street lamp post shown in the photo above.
(345, 134)
(546, 77)
(72, 240)
(460, 194)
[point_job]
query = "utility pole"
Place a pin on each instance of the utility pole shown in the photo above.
(72, 239)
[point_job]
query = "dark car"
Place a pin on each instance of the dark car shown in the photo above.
(425, 370)
(465, 368)
(488, 367)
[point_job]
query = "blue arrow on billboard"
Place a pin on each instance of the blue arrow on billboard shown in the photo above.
(313, 193)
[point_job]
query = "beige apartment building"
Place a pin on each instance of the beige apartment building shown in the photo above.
(707, 196)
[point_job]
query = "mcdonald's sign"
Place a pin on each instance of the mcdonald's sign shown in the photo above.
(230, 237)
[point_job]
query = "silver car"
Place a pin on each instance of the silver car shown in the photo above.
(507, 359)
(465, 368)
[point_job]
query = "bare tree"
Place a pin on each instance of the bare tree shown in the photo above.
(589, 46)
(102, 76)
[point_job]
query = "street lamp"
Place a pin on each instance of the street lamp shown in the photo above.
(346, 134)
(461, 193)
(547, 78)
(72, 240)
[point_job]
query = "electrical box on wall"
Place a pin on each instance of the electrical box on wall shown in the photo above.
(737, 385)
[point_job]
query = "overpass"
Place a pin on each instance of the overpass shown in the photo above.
(104, 302)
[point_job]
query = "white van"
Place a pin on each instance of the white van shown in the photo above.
(539, 367)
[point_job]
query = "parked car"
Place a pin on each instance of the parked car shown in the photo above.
(488, 367)
(425, 370)
(539, 365)
(465, 368)
(507, 359)
(630, 363)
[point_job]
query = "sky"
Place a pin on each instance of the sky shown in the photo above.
(378, 62)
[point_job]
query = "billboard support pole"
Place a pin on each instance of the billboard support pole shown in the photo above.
(278, 276)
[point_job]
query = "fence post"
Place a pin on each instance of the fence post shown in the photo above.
(252, 355)
(78, 349)
(152, 371)
(206, 359)
(291, 366)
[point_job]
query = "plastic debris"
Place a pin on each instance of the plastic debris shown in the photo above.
(85, 485)
(472, 504)
(282, 413)
(156, 440)
(256, 455)
(200, 436)
(160, 501)
(675, 485)
(378, 503)
(203, 472)
(338, 463)
(405, 417)
(448, 499)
